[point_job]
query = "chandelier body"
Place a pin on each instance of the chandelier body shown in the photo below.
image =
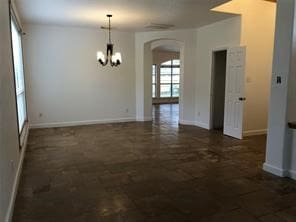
(115, 59)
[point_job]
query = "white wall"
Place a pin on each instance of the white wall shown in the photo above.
(258, 27)
(292, 83)
(67, 86)
(83, 88)
(255, 30)
(257, 34)
(218, 35)
(187, 38)
(292, 97)
(9, 145)
(280, 151)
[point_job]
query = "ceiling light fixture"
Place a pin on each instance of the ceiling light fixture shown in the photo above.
(115, 59)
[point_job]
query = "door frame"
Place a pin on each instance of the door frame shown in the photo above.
(219, 49)
(144, 103)
(241, 96)
(226, 48)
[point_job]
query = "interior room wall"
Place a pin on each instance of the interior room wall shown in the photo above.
(9, 145)
(257, 34)
(187, 38)
(258, 28)
(255, 30)
(281, 140)
(209, 38)
(292, 88)
(67, 86)
(160, 56)
(64, 56)
(291, 106)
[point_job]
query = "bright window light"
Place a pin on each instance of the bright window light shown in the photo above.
(19, 74)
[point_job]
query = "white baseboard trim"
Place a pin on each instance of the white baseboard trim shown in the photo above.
(186, 122)
(194, 123)
(279, 172)
(144, 119)
(9, 213)
(275, 170)
(202, 125)
(292, 174)
(80, 123)
(255, 132)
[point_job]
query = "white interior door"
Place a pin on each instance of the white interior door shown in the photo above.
(234, 92)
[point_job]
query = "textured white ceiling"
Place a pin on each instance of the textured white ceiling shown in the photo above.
(129, 15)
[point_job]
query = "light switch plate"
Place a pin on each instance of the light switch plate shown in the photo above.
(279, 81)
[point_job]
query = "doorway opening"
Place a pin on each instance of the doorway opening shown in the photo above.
(227, 91)
(144, 79)
(166, 84)
(218, 89)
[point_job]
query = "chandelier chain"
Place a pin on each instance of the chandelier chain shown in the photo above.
(109, 30)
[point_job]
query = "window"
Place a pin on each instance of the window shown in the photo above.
(18, 73)
(153, 81)
(170, 78)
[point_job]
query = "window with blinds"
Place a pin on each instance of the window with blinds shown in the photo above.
(19, 74)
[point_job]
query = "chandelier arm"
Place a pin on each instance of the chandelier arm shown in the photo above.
(103, 63)
(115, 64)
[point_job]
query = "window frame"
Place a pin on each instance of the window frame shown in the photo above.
(156, 82)
(14, 21)
(171, 66)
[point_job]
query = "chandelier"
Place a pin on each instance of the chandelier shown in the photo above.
(115, 59)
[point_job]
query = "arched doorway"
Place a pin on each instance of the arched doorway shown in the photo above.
(144, 71)
(166, 84)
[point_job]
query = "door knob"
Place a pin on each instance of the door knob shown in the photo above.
(242, 98)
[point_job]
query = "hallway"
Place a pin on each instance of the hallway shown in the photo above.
(166, 114)
(140, 172)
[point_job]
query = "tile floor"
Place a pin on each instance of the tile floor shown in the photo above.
(139, 172)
